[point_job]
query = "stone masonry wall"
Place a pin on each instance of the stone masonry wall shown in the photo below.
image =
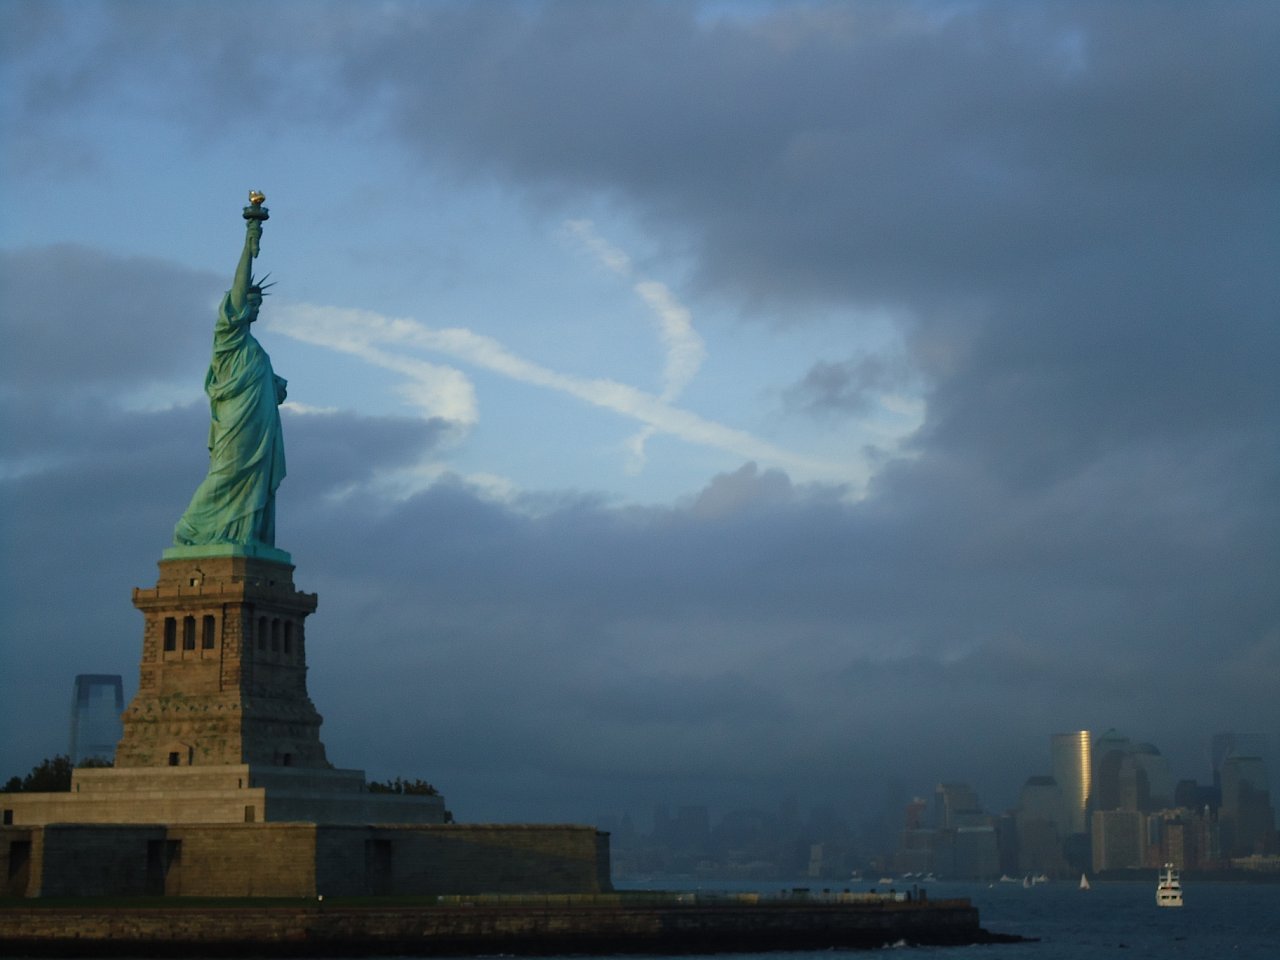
(223, 670)
(235, 860)
(303, 860)
(483, 929)
(97, 861)
(468, 858)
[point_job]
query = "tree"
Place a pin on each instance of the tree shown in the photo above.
(51, 775)
(411, 787)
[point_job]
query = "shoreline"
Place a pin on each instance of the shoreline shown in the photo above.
(470, 926)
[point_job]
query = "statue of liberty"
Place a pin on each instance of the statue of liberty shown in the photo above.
(235, 505)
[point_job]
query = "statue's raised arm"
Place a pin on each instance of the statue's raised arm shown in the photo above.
(235, 505)
(255, 214)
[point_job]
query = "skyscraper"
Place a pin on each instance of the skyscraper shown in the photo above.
(96, 706)
(1246, 814)
(1229, 742)
(1072, 770)
(1109, 753)
(956, 805)
(1151, 783)
(1119, 839)
(1039, 823)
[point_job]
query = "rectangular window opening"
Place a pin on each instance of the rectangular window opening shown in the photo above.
(19, 863)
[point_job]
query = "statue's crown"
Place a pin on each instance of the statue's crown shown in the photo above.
(261, 285)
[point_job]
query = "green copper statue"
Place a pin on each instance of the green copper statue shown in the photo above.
(235, 506)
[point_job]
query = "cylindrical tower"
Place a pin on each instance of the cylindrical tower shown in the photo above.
(1072, 768)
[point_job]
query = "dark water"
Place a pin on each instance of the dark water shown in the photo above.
(1122, 920)
(1115, 920)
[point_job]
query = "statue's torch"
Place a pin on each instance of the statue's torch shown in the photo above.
(255, 210)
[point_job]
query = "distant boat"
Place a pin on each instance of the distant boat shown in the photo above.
(1005, 878)
(1169, 888)
(885, 881)
(1084, 882)
(1026, 882)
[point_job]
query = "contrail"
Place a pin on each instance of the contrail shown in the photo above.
(443, 391)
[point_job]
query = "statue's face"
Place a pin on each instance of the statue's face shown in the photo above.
(254, 303)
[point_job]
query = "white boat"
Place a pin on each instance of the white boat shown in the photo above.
(1169, 888)
(1084, 882)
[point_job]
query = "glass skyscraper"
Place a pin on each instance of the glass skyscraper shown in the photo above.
(1072, 755)
(95, 717)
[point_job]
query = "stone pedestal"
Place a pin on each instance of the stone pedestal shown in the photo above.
(219, 794)
(223, 677)
(222, 729)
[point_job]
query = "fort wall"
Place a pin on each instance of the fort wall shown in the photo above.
(581, 925)
(300, 859)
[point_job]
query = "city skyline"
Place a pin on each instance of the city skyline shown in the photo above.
(1218, 748)
(950, 832)
(684, 399)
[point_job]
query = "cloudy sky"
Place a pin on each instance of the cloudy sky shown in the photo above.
(694, 402)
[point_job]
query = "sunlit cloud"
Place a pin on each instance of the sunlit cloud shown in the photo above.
(445, 391)
(585, 232)
(684, 348)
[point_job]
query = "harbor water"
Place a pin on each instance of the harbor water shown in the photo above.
(1217, 920)
(1116, 920)
(1061, 922)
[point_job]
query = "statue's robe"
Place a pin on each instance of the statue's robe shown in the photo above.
(236, 501)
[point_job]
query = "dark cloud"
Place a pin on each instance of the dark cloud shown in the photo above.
(82, 319)
(848, 387)
(1070, 206)
(1069, 209)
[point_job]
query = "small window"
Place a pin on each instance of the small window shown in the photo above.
(170, 634)
(173, 758)
(188, 633)
(248, 814)
(8, 818)
(287, 760)
(210, 634)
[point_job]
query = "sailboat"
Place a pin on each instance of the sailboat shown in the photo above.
(1084, 882)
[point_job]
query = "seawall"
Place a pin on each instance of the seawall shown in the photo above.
(462, 926)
